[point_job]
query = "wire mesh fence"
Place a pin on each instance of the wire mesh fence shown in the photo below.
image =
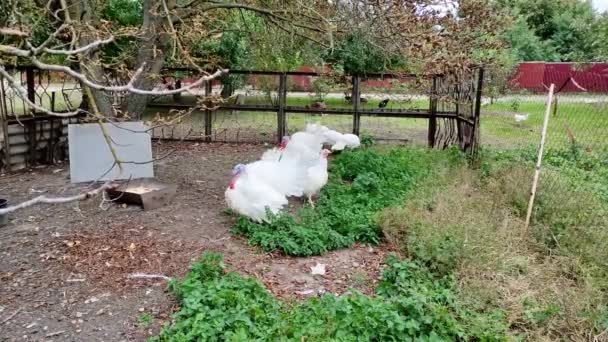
(578, 113)
(309, 98)
(575, 159)
(262, 106)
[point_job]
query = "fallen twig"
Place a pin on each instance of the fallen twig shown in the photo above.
(56, 200)
(11, 316)
(55, 333)
(147, 276)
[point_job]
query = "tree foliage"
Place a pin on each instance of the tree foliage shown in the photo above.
(554, 30)
(357, 54)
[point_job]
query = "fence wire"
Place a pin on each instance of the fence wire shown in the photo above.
(575, 161)
(319, 93)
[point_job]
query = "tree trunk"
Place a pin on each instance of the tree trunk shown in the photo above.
(83, 13)
(154, 46)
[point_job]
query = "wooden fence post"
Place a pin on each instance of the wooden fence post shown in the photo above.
(476, 113)
(208, 113)
(53, 100)
(4, 123)
(31, 84)
(31, 125)
(539, 160)
(281, 117)
(356, 98)
(433, 113)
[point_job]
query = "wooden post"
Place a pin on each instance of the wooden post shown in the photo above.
(281, 118)
(555, 106)
(31, 125)
(53, 100)
(476, 113)
(208, 113)
(539, 160)
(4, 123)
(356, 98)
(31, 84)
(432, 113)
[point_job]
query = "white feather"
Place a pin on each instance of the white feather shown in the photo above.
(250, 197)
(352, 141)
(316, 176)
(282, 175)
(338, 146)
(274, 154)
(303, 147)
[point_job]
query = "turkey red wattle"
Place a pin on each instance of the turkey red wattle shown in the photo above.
(233, 181)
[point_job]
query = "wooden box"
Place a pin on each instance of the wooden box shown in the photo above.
(147, 192)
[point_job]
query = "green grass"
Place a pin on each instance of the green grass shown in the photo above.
(362, 183)
(549, 280)
(588, 123)
(145, 320)
(412, 304)
(70, 100)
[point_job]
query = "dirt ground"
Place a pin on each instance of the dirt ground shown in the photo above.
(64, 269)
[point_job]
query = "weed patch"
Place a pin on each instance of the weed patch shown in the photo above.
(412, 304)
(550, 281)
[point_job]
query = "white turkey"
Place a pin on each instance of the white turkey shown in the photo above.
(316, 176)
(282, 175)
(249, 196)
(338, 140)
(303, 147)
(352, 141)
(276, 153)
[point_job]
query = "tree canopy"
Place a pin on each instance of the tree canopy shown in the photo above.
(555, 30)
(354, 36)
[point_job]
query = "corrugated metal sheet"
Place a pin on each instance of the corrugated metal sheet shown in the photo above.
(49, 142)
(567, 77)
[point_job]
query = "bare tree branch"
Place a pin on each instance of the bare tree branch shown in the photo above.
(129, 86)
(56, 200)
(13, 32)
(82, 49)
(22, 93)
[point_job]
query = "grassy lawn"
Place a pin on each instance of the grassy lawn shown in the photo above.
(588, 122)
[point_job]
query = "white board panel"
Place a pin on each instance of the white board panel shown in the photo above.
(90, 155)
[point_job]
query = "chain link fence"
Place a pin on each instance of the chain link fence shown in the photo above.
(574, 172)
